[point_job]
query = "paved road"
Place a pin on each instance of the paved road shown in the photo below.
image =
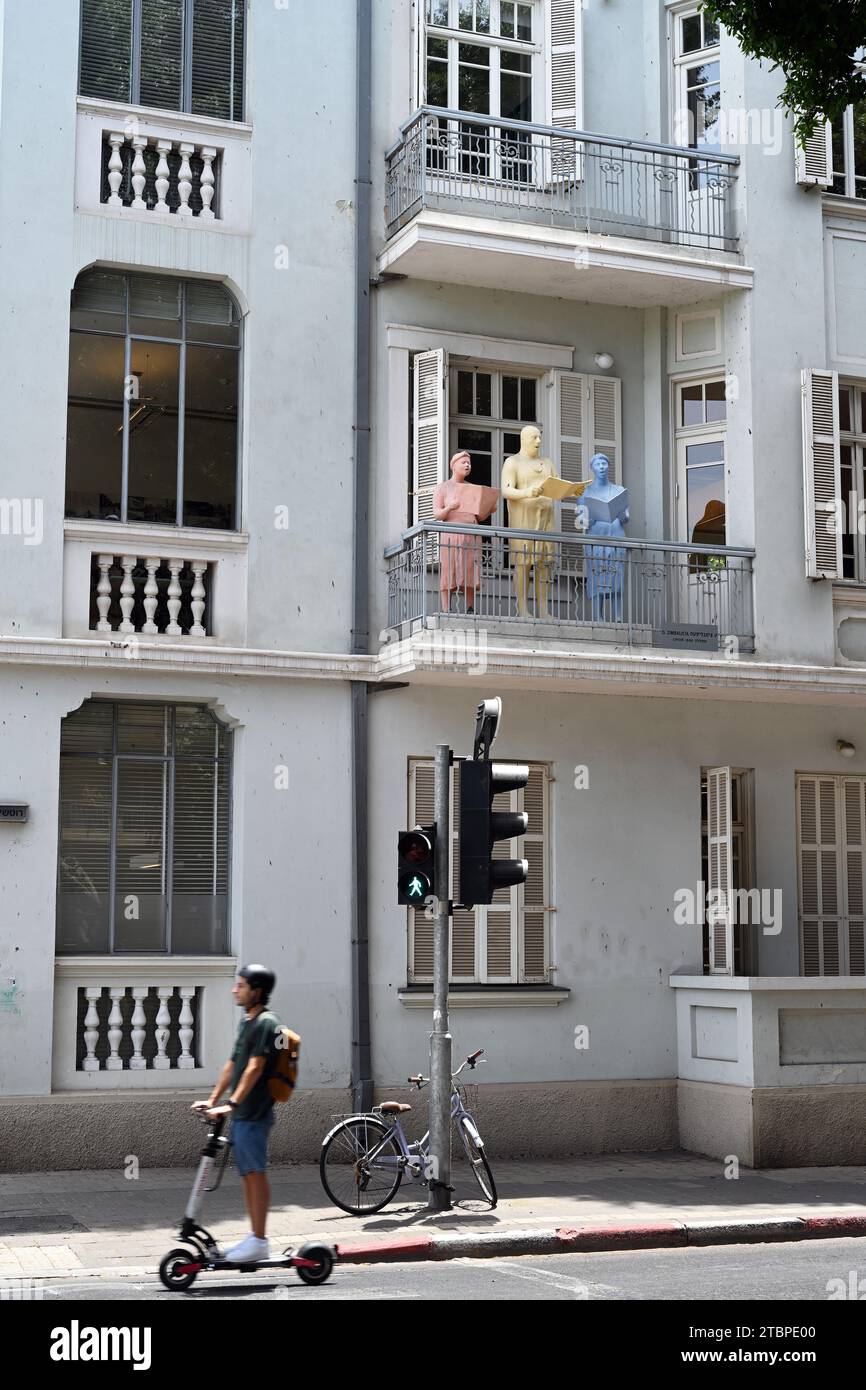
(801, 1270)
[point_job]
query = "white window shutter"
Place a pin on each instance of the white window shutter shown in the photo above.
(534, 962)
(420, 52)
(854, 851)
(814, 160)
(821, 907)
(605, 393)
(430, 430)
(570, 429)
(822, 483)
(421, 812)
(720, 872)
(462, 964)
(565, 63)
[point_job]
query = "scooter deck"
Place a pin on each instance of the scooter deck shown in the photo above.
(285, 1262)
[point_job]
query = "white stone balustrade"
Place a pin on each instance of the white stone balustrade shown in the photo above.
(139, 1038)
(138, 579)
(172, 172)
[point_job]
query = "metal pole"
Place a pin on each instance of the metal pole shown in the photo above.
(440, 1039)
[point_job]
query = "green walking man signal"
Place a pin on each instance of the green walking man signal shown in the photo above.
(416, 874)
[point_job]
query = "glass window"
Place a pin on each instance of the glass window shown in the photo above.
(144, 830)
(852, 457)
(153, 403)
(849, 152)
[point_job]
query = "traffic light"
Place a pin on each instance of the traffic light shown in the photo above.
(416, 867)
(481, 826)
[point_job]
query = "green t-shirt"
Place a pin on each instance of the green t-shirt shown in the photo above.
(255, 1039)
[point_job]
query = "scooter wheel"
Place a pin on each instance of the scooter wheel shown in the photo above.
(324, 1258)
(174, 1260)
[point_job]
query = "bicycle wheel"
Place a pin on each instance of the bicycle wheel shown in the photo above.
(352, 1186)
(480, 1167)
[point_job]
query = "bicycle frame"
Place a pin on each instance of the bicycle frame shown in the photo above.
(420, 1148)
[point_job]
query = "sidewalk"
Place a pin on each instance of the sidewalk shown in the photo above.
(57, 1224)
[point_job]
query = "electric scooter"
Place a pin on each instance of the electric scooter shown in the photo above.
(180, 1267)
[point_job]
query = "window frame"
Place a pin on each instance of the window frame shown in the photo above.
(496, 422)
(182, 343)
(848, 173)
(855, 440)
(708, 432)
(742, 829)
(680, 61)
(843, 893)
(454, 36)
(186, 62)
(169, 760)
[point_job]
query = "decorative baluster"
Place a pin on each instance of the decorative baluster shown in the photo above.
(127, 592)
(175, 567)
(115, 170)
(184, 180)
(186, 1061)
(115, 1029)
(152, 564)
(198, 568)
(103, 592)
(161, 1061)
(162, 176)
(137, 1062)
(139, 172)
(91, 1028)
(208, 155)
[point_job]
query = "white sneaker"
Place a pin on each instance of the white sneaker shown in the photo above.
(251, 1249)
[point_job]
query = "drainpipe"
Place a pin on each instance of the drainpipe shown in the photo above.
(362, 1075)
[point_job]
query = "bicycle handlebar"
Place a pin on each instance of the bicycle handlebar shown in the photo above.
(471, 1061)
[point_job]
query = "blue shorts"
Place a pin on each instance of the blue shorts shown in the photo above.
(250, 1140)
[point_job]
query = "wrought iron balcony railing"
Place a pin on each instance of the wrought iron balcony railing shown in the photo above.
(626, 592)
(455, 161)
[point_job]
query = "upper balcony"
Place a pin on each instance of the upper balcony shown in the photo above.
(559, 212)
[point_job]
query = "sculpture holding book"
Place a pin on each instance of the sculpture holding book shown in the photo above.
(530, 486)
(605, 510)
(462, 504)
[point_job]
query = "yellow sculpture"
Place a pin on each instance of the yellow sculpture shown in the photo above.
(529, 509)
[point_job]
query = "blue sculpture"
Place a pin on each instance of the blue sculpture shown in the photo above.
(606, 509)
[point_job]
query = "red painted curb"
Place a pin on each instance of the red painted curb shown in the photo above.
(661, 1233)
(840, 1225)
(366, 1251)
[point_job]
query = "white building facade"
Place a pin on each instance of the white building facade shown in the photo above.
(275, 287)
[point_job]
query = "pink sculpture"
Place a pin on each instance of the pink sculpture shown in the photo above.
(460, 556)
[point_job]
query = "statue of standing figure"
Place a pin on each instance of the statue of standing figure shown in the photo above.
(523, 479)
(605, 563)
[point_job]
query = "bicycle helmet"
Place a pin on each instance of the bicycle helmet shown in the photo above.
(259, 977)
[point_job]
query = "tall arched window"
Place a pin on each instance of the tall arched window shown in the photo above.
(154, 369)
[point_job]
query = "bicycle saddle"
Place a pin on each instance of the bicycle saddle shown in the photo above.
(392, 1107)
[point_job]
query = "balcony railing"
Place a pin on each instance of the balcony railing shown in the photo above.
(160, 176)
(149, 595)
(632, 592)
(451, 161)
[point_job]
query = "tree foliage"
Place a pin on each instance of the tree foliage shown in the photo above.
(814, 42)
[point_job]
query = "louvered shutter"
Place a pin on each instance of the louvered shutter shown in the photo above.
(605, 393)
(533, 918)
(720, 871)
(85, 829)
(105, 65)
(565, 82)
(463, 965)
(161, 76)
(430, 425)
(421, 812)
(822, 481)
(140, 854)
(854, 850)
(819, 874)
(498, 925)
(218, 59)
(569, 433)
(814, 160)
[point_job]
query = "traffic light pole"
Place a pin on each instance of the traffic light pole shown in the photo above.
(439, 1189)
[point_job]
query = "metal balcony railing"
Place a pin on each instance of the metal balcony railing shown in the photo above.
(627, 592)
(453, 161)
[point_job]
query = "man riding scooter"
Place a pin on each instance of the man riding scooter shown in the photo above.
(245, 1077)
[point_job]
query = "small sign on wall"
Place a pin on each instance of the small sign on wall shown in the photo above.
(14, 811)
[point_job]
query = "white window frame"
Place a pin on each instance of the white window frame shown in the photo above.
(856, 440)
(454, 36)
(843, 915)
(852, 181)
(680, 61)
(495, 422)
(694, 434)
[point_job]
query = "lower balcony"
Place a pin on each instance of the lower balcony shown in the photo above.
(621, 592)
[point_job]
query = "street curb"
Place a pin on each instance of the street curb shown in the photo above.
(571, 1239)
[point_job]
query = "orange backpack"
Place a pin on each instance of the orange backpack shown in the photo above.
(284, 1076)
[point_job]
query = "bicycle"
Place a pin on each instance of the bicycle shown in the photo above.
(365, 1156)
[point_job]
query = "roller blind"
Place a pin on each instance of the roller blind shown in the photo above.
(218, 58)
(162, 26)
(105, 68)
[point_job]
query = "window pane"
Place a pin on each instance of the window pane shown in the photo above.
(478, 443)
(154, 306)
(84, 853)
(94, 432)
(437, 12)
(437, 48)
(195, 732)
(465, 400)
(482, 393)
(153, 433)
(139, 899)
(510, 406)
(524, 22)
(482, 16)
(200, 858)
(474, 53)
(142, 729)
(706, 504)
(515, 96)
(691, 33)
(859, 119)
(210, 437)
(527, 399)
(437, 84)
(838, 130)
(845, 402)
(161, 53)
(465, 16)
(711, 31)
(692, 405)
(98, 301)
(506, 19)
(106, 49)
(716, 403)
(218, 59)
(474, 95)
(88, 729)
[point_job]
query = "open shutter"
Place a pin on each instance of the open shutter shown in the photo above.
(720, 872)
(570, 429)
(105, 68)
(814, 160)
(854, 850)
(217, 82)
(565, 84)
(822, 481)
(430, 425)
(533, 917)
(162, 24)
(819, 873)
(421, 812)
(606, 421)
(420, 8)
